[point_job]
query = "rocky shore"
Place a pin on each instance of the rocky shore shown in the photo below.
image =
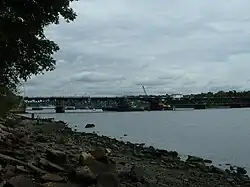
(48, 153)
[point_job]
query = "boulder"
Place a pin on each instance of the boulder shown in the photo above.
(98, 167)
(57, 157)
(85, 158)
(98, 153)
(83, 175)
(19, 181)
(107, 180)
(241, 171)
(137, 174)
(90, 125)
(214, 169)
(174, 154)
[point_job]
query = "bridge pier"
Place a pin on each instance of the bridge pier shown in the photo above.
(60, 106)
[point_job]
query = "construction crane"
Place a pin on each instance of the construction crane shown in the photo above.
(144, 90)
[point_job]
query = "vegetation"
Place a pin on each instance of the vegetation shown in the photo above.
(8, 100)
(24, 48)
(231, 93)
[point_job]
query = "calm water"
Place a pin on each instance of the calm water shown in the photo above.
(221, 134)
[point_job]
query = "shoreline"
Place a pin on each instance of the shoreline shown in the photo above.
(48, 143)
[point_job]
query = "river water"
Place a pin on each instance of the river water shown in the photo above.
(221, 135)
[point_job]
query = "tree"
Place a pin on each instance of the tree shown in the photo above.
(24, 48)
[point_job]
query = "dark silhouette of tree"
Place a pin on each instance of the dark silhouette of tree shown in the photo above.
(24, 48)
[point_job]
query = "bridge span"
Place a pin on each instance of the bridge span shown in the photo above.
(99, 102)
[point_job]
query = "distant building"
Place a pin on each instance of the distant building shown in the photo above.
(177, 96)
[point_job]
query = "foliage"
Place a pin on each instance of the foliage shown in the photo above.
(221, 93)
(24, 48)
(8, 101)
(230, 93)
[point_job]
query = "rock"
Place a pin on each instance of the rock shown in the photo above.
(208, 161)
(41, 138)
(19, 181)
(98, 153)
(10, 171)
(86, 158)
(214, 169)
(90, 125)
(83, 175)
(202, 166)
(137, 174)
(51, 166)
(107, 180)
(52, 178)
(194, 159)
(25, 139)
(57, 157)
(230, 180)
(19, 134)
(98, 167)
(241, 171)
(52, 184)
(108, 151)
(174, 154)
(21, 169)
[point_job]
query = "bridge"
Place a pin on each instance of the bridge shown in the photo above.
(99, 102)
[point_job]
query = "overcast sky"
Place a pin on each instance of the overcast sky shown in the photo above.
(169, 46)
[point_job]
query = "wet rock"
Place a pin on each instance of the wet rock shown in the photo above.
(52, 178)
(57, 157)
(107, 180)
(90, 125)
(19, 181)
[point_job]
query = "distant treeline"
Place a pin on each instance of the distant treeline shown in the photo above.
(232, 93)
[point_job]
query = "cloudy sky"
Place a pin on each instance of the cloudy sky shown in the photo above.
(116, 46)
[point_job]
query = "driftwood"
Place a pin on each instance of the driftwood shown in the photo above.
(16, 161)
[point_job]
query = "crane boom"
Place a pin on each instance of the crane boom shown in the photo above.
(144, 90)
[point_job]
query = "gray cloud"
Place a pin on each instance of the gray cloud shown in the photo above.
(115, 46)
